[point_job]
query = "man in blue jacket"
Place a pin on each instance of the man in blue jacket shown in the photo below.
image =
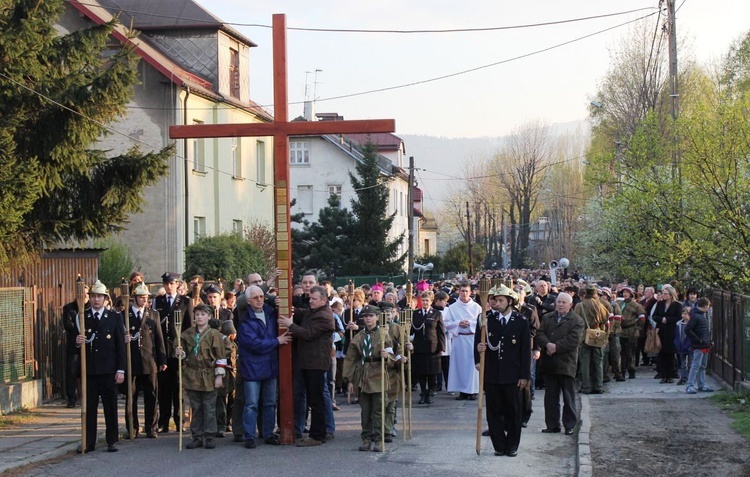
(258, 342)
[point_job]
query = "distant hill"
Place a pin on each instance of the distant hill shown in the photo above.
(443, 155)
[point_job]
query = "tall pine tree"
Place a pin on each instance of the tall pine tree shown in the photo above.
(372, 252)
(57, 93)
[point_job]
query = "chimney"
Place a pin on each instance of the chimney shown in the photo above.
(309, 111)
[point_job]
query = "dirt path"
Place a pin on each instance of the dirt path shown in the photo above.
(664, 435)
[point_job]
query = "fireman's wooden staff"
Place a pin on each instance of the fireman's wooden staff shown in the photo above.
(383, 397)
(81, 302)
(125, 297)
(350, 291)
(178, 342)
(409, 298)
(403, 336)
(484, 288)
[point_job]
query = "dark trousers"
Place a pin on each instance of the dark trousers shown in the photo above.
(238, 408)
(300, 398)
(427, 382)
(665, 364)
(628, 348)
(554, 384)
(314, 380)
(169, 393)
(72, 371)
(104, 386)
(146, 384)
(445, 362)
(504, 415)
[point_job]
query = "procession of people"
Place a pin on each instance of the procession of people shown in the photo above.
(216, 352)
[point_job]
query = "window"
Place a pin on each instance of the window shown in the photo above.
(234, 73)
(403, 210)
(299, 152)
(199, 228)
(199, 149)
(237, 227)
(335, 190)
(305, 199)
(260, 158)
(426, 250)
(236, 158)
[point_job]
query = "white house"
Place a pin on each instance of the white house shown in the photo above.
(320, 167)
(194, 69)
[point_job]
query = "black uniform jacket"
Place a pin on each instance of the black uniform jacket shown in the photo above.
(166, 315)
(428, 331)
(105, 343)
(147, 352)
(508, 357)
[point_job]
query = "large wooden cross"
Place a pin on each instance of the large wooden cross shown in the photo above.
(281, 129)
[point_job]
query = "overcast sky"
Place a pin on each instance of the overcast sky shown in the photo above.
(555, 86)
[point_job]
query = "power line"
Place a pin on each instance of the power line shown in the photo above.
(458, 73)
(387, 31)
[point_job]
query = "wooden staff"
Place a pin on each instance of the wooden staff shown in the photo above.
(81, 302)
(125, 297)
(383, 396)
(178, 326)
(409, 292)
(484, 288)
(350, 291)
(402, 344)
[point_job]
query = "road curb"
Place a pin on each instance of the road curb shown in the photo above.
(585, 466)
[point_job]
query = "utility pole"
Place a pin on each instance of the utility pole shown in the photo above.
(674, 92)
(468, 236)
(410, 215)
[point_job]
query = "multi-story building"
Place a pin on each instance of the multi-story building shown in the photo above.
(194, 69)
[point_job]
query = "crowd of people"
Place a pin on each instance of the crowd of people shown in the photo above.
(354, 343)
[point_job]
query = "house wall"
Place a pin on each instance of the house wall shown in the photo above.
(226, 43)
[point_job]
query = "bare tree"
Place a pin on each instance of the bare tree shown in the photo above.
(522, 164)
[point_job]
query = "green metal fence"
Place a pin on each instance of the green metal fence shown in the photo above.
(16, 335)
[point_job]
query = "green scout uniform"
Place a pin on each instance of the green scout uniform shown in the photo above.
(591, 359)
(631, 310)
(365, 373)
(394, 379)
(204, 360)
(225, 394)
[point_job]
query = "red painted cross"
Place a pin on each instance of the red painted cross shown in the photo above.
(281, 129)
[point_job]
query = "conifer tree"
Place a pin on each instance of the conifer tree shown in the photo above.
(57, 94)
(373, 253)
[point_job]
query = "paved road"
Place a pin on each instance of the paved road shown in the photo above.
(442, 445)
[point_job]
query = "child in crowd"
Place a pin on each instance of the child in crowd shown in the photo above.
(682, 345)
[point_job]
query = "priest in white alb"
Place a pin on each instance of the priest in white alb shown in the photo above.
(460, 321)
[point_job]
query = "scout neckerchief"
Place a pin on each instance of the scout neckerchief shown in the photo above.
(198, 338)
(367, 345)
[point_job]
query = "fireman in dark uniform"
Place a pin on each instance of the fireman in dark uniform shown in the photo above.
(507, 368)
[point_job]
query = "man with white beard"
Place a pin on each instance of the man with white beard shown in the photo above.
(461, 323)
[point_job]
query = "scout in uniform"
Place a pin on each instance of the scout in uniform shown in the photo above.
(394, 373)
(428, 334)
(147, 357)
(362, 368)
(202, 349)
(507, 368)
(225, 397)
(633, 317)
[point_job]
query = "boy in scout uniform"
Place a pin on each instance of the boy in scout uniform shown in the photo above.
(202, 349)
(362, 368)
(394, 373)
(225, 396)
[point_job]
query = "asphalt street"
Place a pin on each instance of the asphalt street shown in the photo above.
(443, 444)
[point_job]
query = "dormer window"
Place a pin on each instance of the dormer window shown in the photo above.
(234, 73)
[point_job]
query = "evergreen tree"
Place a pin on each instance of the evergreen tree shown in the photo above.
(57, 93)
(325, 245)
(373, 253)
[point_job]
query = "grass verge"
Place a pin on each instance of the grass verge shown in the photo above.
(737, 405)
(15, 418)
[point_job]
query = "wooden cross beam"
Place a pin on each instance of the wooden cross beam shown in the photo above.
(281, 129)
